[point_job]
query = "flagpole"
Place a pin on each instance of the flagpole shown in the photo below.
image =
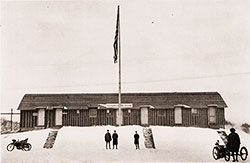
(119, 60)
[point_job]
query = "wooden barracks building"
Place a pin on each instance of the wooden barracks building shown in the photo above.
(199, 109)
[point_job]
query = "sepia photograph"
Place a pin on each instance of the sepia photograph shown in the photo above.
(85, 81)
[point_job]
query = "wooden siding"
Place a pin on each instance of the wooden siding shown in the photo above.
(186, 117)
(162, 117)
(220, 119)
(72, 118)
(132, 118)
(50, 117)
(199, 119)
(27, 120)
(202, 118)
(220, 116)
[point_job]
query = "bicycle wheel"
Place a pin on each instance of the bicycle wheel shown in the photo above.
(27, 147)
(243, 153)
(10, 147)
(215, 153)
(227, 156)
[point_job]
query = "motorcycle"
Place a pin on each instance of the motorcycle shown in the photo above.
(20, 145)
(221, 151)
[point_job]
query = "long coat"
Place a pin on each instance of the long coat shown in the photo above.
(233, 142)
(107, 137)
(115, 138)
(136, 136)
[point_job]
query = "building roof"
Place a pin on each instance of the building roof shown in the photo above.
(156, 100)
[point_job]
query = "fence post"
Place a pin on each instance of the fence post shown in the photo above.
(11, 118)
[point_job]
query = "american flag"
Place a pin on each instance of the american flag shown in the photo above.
(115, 45)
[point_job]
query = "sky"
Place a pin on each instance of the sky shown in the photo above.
(166, 46)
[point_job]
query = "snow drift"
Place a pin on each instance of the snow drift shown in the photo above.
(86, 144)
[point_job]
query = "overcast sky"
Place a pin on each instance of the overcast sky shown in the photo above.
(166, 46)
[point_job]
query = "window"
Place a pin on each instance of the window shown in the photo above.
(194, 111)
(161, 113)
(34, 114)
(92, 112)
(212, 115)
(126, 113)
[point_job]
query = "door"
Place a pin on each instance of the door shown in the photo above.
(178, 115)
(144, 116)
(49, 118)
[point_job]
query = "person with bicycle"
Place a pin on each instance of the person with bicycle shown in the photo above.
(233, 144)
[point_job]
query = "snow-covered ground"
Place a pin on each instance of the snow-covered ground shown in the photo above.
(86, 144)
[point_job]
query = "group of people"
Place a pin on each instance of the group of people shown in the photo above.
(233, 144)
(114, 137)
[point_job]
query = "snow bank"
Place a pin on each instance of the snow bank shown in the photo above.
(86, 144)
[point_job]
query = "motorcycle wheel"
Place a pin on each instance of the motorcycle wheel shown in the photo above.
(215, 153)
(10, 147)
(243, 153)
(27, 147)
(227, 156)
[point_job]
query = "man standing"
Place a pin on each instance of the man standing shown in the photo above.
(115, 139)
(107, 139)
(136, 140)
(233, 144)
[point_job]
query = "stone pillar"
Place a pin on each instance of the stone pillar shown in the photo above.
(148, 135)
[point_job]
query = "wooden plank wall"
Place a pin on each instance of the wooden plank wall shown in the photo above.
(220, 117)
(162, 117)
(186, 117)
(72, 118)
(133, 118)
(202, 117)
(50, 117)
(199, 119)
(27, 119)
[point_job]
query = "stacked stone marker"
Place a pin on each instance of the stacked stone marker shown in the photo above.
(50, 140)
(148, 135)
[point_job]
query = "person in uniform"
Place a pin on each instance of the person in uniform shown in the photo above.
(115, 139)
(107, 138)
(136, 140)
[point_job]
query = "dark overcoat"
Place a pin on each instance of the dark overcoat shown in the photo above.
(115, 138)
(107, 137)
(233, 142)
(136, 136)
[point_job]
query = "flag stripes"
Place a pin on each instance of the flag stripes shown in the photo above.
(115, 45)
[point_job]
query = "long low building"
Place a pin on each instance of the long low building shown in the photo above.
(198, 109)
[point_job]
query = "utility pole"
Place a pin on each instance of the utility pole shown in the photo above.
(11, 116)
(11, 113)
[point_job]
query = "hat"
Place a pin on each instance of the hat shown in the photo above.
(232, 130)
